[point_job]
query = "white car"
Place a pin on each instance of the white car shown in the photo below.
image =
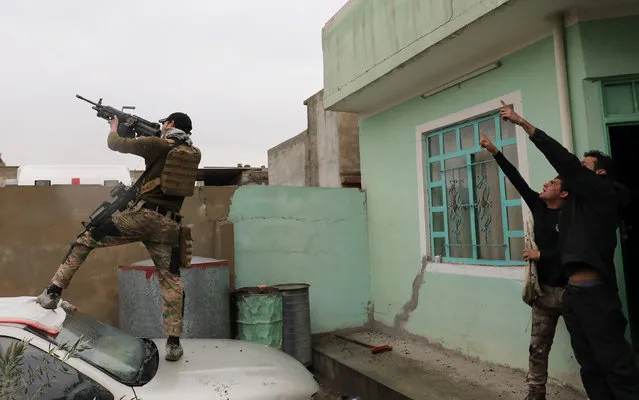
(118, 366)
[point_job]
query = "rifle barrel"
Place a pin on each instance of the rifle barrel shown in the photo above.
(87, 100)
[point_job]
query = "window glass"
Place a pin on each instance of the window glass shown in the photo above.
(440, 247)
(488, 210)
(437, 196)
(433, 146)
(481, 209)
(487, 127)
(515, 219)
(435, 171)
(467, 134)
(619, 99)
(129, 360)
(517, 248)
(510, 152)
(458, 207)
(40, 375)
(438, 222)
(507, 130)
(450, 142)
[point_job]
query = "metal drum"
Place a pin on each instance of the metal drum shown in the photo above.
(259, 315)
(296, 340)
(206, 300)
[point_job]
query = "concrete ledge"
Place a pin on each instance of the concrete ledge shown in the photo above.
(415, 371)
(341, 378)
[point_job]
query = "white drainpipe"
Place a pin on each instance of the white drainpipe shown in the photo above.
(562, 83)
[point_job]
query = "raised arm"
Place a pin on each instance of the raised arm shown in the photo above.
(147, 147)
(564, 162)
(530, 196)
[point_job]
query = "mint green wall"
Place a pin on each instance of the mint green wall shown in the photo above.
(610, 46)
(597, 49)
(310, 235)
(483, 317)
(369, 38)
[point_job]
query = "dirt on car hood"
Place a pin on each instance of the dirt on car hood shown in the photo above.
(229, 370)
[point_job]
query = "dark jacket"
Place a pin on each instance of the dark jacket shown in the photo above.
(546, 234)
(591, 214)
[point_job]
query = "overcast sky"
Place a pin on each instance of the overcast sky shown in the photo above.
(241, 69)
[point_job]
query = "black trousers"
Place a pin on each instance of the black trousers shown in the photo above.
(596, 324)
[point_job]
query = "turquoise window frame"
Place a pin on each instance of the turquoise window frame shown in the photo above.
(609, 119)
(431, 161)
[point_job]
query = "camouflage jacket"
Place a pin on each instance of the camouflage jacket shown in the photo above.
(148, 148)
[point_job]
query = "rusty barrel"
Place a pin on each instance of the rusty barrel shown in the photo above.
(296, 327)
(206, 300)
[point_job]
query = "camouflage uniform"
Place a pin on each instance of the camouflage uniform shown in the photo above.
(546, 310)
(160, 236)
(158, 228)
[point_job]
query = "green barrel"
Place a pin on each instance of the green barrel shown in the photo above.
(259, 315)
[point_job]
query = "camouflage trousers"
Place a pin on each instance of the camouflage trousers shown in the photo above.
(545, 315)
(160, 236)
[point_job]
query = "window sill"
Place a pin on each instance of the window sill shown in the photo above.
(506, 272)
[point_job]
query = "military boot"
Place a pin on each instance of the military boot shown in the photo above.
(174, 349)
(50, 297)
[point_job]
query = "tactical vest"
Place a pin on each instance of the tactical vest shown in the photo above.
(178, 173)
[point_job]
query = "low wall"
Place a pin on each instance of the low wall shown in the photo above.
(37, 225)
(269, 234)
(306, 235)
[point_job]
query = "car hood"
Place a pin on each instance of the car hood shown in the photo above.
(229, 369)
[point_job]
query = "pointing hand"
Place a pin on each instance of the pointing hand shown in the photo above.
(485, 143)
(508, 114)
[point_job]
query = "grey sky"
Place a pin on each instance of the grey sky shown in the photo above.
(241, 69)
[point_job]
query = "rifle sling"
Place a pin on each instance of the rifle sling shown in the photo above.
(135, 187)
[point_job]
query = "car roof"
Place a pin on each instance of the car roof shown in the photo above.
(24, 311)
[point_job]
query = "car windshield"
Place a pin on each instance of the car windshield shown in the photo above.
(128, 359)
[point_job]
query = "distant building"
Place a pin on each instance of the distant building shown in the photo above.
(326, 154)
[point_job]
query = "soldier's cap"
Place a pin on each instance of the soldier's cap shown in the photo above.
(181, 120)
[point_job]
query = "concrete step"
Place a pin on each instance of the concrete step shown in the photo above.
(415, 370)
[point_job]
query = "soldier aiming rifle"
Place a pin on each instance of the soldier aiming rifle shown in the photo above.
(148, 212)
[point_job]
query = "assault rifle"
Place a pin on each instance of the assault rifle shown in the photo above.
(130, 125)
(122, 197)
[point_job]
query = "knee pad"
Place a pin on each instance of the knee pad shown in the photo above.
(108, 228)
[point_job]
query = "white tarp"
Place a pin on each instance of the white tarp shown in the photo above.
(24, 310)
